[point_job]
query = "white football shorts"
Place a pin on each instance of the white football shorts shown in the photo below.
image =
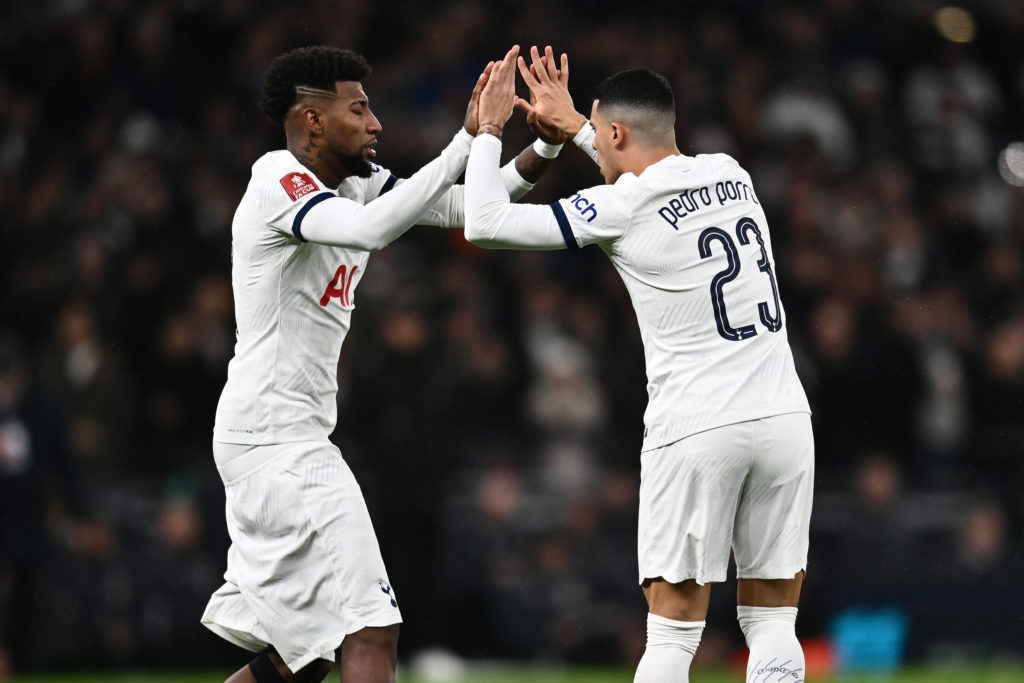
(745, 487)
(304, 567)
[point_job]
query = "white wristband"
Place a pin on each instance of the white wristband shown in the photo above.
(546, 150)
(584, 135)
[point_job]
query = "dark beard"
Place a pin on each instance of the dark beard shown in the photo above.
(358, 166)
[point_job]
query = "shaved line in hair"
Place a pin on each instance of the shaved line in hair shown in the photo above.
(314, 92)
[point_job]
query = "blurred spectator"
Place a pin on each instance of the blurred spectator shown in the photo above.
(977, 572)
(850, 353)
(998, 398)
(177, 569)
(952, 104)
(38, 491)
(868, 546)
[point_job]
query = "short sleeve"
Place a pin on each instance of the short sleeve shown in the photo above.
(287, 196)
(359, 214)
(291, 190)
(596, 214)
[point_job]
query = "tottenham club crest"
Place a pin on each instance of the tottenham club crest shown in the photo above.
(386, 590)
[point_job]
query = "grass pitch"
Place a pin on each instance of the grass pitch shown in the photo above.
(580, 675)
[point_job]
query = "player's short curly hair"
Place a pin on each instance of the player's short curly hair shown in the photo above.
(317, 66)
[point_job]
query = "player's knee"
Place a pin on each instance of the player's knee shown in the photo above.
(268, 667)
(382, 635)
(315, 672)
(770, 592)
(685, 601)
(265, 668)
(374, 637)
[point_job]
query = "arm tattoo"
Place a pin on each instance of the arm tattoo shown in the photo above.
(489, 128)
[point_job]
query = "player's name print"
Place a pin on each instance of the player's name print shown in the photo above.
(693, 200)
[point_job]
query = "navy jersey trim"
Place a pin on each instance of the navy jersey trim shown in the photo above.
(563, 225)
(297, 223)
(388, 184)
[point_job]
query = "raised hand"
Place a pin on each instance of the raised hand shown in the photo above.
(542, 129)
(550, 104)
(472, 121)
(498, 97)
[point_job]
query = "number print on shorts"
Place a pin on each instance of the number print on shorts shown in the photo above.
(732, 270)
(340, 287)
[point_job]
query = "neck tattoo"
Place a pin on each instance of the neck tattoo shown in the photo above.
(310, 154)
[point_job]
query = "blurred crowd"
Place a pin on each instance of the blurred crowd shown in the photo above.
(491, 402)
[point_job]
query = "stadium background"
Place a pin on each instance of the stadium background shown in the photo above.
(491, 402)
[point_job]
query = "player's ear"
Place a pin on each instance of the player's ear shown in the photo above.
(619, 133)
(313, 118)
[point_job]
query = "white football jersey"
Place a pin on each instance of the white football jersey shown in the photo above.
(293, 306)
(690, 240)
(294, 298)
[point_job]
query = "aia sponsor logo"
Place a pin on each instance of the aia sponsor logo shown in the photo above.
(298, 185)
(340, 287)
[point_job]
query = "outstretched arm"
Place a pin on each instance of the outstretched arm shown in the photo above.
(329, 219)
(518, 176)
(490, 219)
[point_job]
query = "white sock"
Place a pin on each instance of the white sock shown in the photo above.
(670, 648)
(775, 653)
